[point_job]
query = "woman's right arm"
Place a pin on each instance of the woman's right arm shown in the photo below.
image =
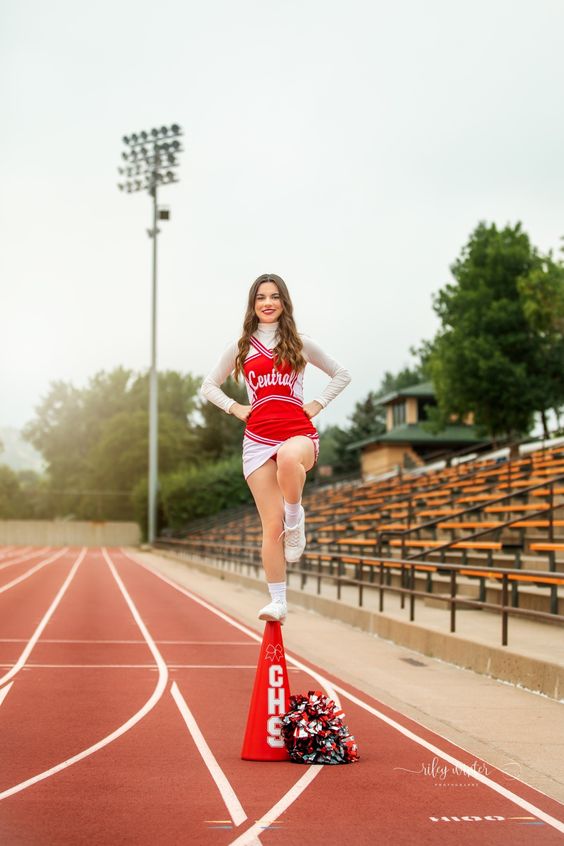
(210, 389)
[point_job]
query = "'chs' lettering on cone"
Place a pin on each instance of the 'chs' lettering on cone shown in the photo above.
(270, 700)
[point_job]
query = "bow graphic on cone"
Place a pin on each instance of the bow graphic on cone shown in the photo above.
(274, 653)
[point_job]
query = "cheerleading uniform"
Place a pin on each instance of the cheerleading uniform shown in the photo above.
(275, 394)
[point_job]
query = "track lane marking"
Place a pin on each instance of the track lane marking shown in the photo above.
(179, 642)
(23, 557)
(477, 776)
(223, 784)
(4, 691)
(13, 550)
(508, 794)
(247, 838)
(46, 617)
(249, 632)
(30, 666)
(32, 570)
(149, 704)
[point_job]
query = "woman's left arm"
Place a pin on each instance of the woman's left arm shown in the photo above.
(340, 376)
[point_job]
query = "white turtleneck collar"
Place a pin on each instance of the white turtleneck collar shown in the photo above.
(268, 328)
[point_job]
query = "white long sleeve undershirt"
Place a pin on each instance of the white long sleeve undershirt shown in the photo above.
(266, 334)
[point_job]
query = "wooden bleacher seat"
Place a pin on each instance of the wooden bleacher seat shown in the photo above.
(537, 524)
(458, 545)
(470, 524)
(500, 509)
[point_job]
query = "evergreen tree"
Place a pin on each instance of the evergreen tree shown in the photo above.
(489, 357)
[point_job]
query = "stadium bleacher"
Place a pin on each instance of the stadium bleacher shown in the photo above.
(407, 532)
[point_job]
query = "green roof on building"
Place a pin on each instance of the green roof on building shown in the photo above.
(414, 433)
(423, 389)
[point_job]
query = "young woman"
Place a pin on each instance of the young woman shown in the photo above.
(280, 443)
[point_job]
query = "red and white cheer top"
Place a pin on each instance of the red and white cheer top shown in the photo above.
(275, 394)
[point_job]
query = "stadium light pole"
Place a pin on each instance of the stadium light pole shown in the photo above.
(151, 160)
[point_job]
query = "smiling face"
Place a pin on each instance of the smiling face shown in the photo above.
(268, 303)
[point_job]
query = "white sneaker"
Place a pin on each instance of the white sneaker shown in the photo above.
(274, 612)
(294, 540)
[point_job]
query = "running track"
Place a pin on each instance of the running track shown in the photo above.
(123, 703)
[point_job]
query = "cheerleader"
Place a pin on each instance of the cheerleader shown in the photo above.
(280, 443)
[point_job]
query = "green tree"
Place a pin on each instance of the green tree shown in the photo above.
(95, 439)
(221, 435)
(328, 439)
(406, 378)
(542, 300)
(485, 357)
(13, 503)
(119, 458)
(201, 491)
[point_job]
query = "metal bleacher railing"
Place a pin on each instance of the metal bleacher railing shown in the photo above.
(241, 556)
(378, 571)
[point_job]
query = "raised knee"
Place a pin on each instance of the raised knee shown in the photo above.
(287, 458)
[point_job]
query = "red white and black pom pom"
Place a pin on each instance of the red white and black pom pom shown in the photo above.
(314, 732)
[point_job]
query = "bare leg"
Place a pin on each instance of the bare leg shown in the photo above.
(294, 458)
(270, 505)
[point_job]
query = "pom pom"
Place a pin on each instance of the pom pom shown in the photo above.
(314, 732)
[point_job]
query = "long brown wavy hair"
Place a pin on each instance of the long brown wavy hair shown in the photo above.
(289, 347)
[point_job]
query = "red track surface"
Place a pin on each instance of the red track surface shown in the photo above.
(115, 651)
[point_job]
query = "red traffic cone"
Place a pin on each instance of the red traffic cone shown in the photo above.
(269, 701)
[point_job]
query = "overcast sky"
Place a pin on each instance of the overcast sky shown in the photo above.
(351, 147)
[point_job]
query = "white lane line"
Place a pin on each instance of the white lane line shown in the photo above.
(248, 836)
(24, 555)
(33, 569)
(11, 550)
(473, 773)
(45, 619)
(228, 795)
(314, 770)
(523, 803)
(149, 704)
(143, 642)
(249, 632)
(30, 666)
(4, 691)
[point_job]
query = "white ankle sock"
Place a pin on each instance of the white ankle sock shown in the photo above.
(277, 591)
(292, 513)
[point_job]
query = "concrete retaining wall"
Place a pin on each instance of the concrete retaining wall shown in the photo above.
(69, 533)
